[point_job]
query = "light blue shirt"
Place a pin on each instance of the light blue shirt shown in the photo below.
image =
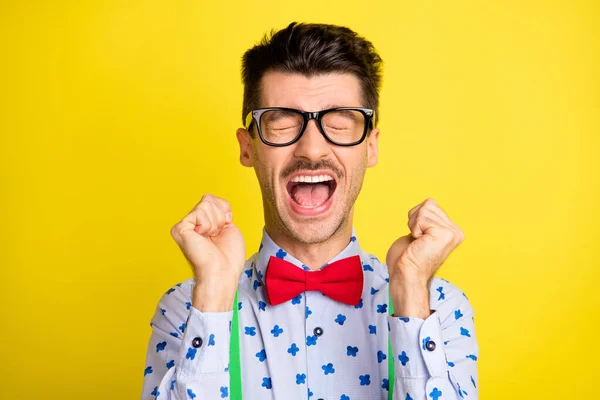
(313, 347)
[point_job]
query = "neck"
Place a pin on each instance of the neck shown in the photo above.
(313, 255)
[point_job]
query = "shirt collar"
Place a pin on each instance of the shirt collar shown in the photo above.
(269, 248)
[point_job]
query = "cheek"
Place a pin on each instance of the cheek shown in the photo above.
(266, 173)
(261, 170)
(354, 164)
(273, 161)
(263, 174)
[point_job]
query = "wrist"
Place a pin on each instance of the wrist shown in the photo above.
(213, 298)
(410, 298)
(409, 276)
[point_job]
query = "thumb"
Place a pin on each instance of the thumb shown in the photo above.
(190, 237)
(397, 249)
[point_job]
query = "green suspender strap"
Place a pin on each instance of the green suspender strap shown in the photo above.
(390, 357)
(235, 371)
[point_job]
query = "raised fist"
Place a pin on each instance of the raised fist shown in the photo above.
(215, 249)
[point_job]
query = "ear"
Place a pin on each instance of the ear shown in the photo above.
(245, 141)
(373, 148)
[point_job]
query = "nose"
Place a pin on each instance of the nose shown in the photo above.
(312, 145)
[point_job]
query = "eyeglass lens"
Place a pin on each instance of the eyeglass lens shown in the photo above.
(341, 126)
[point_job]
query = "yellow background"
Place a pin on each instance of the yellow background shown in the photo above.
(117, 116)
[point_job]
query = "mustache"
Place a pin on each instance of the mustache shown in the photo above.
(307, 165)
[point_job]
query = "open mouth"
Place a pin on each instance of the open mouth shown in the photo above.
(311, 191)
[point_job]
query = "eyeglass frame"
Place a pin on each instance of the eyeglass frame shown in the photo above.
(256, 114)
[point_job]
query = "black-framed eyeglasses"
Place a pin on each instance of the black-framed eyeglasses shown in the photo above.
(281, 126)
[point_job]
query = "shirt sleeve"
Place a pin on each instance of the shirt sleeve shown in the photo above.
(436, 358)
(188, 351)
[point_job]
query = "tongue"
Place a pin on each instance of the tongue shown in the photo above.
(310, 194)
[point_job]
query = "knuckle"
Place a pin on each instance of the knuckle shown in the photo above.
(216, 213)
(223, 204)
(201, 218)
(206, 197)
(227, 205)
(449, 234)
(175, 229)
(446, 235)
(455, 240)
(422, 213)
(200, 212)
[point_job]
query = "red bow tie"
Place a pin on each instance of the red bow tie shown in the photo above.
(341, 280)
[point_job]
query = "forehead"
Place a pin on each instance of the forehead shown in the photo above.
(314, 93)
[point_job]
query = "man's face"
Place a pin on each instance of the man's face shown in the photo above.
(309, 212)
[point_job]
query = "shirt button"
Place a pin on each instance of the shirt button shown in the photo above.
(197, 342)
(430, 345)
(318, 331)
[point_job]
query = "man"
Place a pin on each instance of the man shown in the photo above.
(313, 306)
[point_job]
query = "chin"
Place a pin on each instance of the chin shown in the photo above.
(311, 230)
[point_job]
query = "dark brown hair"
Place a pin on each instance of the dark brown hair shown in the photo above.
(312, 49)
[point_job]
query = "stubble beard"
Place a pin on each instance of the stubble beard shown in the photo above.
(308, 233)
(312, 233)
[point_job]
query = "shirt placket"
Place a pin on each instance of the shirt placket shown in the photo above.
(317, 336)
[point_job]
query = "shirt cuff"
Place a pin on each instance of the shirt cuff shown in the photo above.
(417, 345)
(206, 338)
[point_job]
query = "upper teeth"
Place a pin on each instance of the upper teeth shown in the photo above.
(312, 179)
